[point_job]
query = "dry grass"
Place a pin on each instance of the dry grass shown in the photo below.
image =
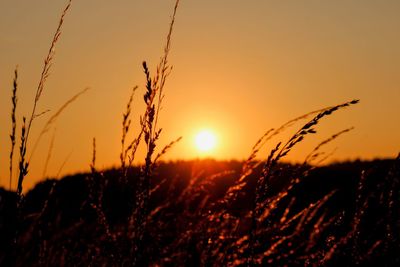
(13, 123)
(51, 121)
(23, 163)
(255, 213)
(315, 152)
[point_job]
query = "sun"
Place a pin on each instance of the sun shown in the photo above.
(205, 141)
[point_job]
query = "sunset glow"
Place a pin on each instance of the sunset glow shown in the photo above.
(238, 70)
(205, 141)
(160, 133)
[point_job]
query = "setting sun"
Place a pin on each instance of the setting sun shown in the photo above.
(214, 133)
(205, 141)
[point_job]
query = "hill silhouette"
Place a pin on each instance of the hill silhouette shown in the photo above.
(87, 218)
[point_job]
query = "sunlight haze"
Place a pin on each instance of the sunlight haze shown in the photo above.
(239, 68)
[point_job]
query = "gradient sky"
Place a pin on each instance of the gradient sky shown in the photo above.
(240, 68)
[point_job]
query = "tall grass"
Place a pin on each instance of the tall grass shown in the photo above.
(252, 213)
(13, 123)
(26, 128)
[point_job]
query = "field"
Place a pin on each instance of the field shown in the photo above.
(200, 214)
(262, 211)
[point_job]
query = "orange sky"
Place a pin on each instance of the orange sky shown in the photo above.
(239, 69)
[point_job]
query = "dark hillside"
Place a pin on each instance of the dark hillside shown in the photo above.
(343, 213)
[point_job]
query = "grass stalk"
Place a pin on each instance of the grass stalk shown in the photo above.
(52, 120)
(14, 101)
(23, 164)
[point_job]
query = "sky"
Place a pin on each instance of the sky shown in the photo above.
(239, 69)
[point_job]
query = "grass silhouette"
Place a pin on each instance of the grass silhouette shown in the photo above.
(203, 212)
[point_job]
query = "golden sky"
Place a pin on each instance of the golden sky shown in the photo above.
(239, 68)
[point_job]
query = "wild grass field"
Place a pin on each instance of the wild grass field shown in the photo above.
(200, 212)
